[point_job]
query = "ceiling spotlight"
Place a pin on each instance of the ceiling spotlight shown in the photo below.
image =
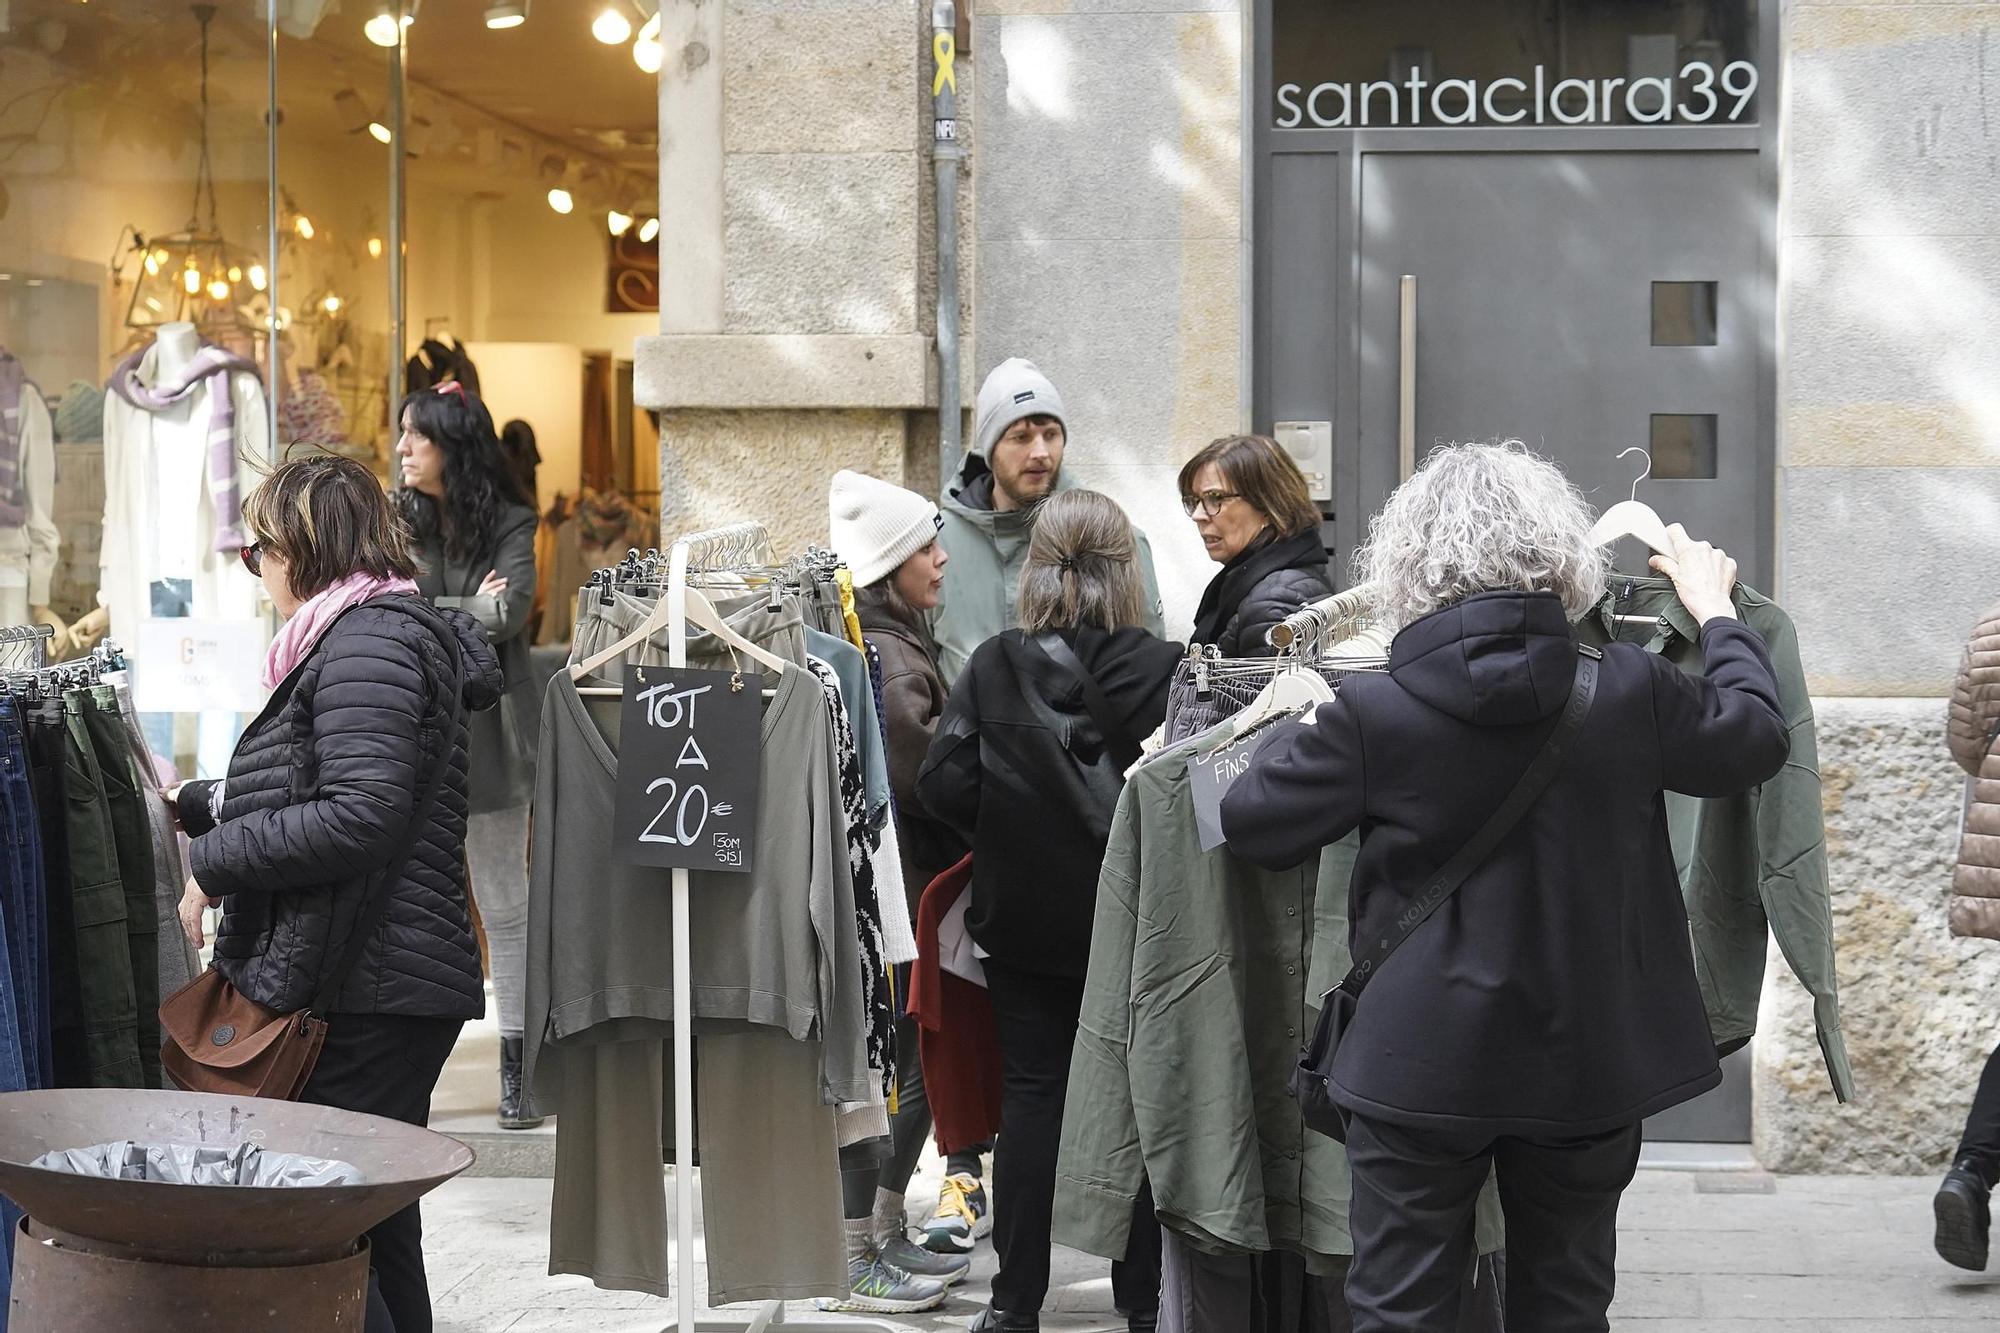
(648, 230)
(646, 52)
(303, 225)
(612, 27)
(331, 304)
(507, 14)
(381, 29)
(560, 201)
(374, 247)
(619, 223)
(380, 131)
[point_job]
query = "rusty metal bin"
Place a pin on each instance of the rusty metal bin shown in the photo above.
(107, 1254)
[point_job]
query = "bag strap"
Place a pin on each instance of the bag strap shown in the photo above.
(1121, 745)
(1533, 781)
(376, 905)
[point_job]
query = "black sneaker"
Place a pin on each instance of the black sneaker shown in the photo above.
(517, 1110)
(1963, 1220)
(991, 1320)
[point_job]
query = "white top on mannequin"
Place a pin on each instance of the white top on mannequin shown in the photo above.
(32, 548)
(159, 519)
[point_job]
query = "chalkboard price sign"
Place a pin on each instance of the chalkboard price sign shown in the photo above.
(688, 769)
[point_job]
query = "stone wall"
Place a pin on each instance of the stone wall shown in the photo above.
(1111, 239)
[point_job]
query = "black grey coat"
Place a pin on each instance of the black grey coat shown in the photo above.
(1260, 587)
(504, 738)
(1555, 992)
(320, 797)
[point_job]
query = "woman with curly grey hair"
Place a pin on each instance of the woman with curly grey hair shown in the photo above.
(1550, 1004)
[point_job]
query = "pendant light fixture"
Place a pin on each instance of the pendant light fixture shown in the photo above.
(507, 14)
(611, 26)
(648, 230)
(647, 53)
(617, 223)
(195, 274)
(382, 26)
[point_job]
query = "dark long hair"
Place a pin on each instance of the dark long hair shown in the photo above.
(478, 483)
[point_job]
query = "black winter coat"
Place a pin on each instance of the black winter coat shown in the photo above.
(1021, 771)
(1262, 585)
(1554, 993)
(320, 796)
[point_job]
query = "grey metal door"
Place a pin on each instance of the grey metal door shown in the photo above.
(1584, 302)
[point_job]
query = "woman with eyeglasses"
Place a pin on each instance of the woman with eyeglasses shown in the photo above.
(1257, 520)
(475, 544)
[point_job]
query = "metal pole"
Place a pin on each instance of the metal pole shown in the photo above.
(398, 333)
(1406, 372)
(946, 154)
(272, 445)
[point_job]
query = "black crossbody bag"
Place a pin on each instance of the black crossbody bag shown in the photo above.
(1311, 1082)
(1123, 748)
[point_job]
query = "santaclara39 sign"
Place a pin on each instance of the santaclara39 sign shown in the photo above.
(1701, 95)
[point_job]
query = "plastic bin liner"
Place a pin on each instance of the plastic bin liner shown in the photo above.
(196, 1164)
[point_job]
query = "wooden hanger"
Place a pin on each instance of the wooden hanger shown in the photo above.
(1630, 518)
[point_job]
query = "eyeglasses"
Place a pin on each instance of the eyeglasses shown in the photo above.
(1208, 502)
(252, 557)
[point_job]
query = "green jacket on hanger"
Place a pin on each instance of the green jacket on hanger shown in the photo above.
(1752, 861)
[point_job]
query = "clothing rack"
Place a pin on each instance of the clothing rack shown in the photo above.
(32, 683)
(739, 546)
(1311, 628)
(24, 647)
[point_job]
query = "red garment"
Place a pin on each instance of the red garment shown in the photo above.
(956, 1040)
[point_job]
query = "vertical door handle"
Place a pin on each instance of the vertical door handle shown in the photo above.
(1406, 408)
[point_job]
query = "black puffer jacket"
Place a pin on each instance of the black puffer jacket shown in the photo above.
(1266, 582)
(320, 796)
(1021, 770)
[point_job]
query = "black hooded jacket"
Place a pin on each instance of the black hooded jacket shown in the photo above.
(1555, 991)
(1022, 772)
(320, 797)
(1264, 583)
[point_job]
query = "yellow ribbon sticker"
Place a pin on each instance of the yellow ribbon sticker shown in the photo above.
(946, 50)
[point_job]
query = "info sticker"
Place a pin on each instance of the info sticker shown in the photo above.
(688, 769)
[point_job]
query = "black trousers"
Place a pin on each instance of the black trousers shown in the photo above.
(1411, 1216)
(1982, 1126)
(1273, 1293)
(387, 1065)
(1035, 1018)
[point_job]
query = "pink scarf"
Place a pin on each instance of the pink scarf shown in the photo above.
(296, 640)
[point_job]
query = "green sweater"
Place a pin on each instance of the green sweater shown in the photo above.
(1752, 860)
(1205, 977)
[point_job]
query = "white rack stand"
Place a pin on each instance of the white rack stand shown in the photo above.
(771, 1314)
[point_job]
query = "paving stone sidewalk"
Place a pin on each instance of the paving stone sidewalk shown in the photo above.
(1698, 1253)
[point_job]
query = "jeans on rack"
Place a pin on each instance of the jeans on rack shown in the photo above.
(108, 1001)
(26, 895)
(125, 796)
(61, 1012)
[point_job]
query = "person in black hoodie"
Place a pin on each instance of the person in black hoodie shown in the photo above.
(1257, 520)
(371, 691)
(1029, 759)
(1551, 1003)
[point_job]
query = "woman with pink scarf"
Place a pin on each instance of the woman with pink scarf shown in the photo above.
(336, 845)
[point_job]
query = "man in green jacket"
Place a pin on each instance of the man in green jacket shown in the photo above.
(1014, 464)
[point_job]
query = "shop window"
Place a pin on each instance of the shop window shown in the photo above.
(1683, 314)
(1378, 64)
(1683, 446)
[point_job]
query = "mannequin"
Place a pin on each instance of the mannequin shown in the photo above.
(173, 486)
(28, 548)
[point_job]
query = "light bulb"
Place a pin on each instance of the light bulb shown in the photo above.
(191, 281)
(560, 201)
(647, 55)
(380, 131)
(374, 247)
(648, 230)
(235, 273)
(331, 305)
(619, 223)
(381, 29)
(257, 277)
(506, 14)
(218, 290)
(612, 27)
(304, 227)
(152, 265)
(160, 255)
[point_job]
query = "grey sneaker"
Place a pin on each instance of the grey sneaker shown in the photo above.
(876, 1287)
(900, 1251)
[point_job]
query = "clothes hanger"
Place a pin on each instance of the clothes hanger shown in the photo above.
(1630, 518)
(700, 611)
(1292, 688)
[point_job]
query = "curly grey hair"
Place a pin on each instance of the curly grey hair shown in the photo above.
(1481, 518)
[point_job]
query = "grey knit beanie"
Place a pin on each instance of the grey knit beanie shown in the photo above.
(1013, 390)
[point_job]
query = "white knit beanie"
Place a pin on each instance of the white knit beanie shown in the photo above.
(1016, 388)
(875, 526)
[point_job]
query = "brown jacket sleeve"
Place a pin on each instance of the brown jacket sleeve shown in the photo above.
(912, 698)
(1975, 694)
